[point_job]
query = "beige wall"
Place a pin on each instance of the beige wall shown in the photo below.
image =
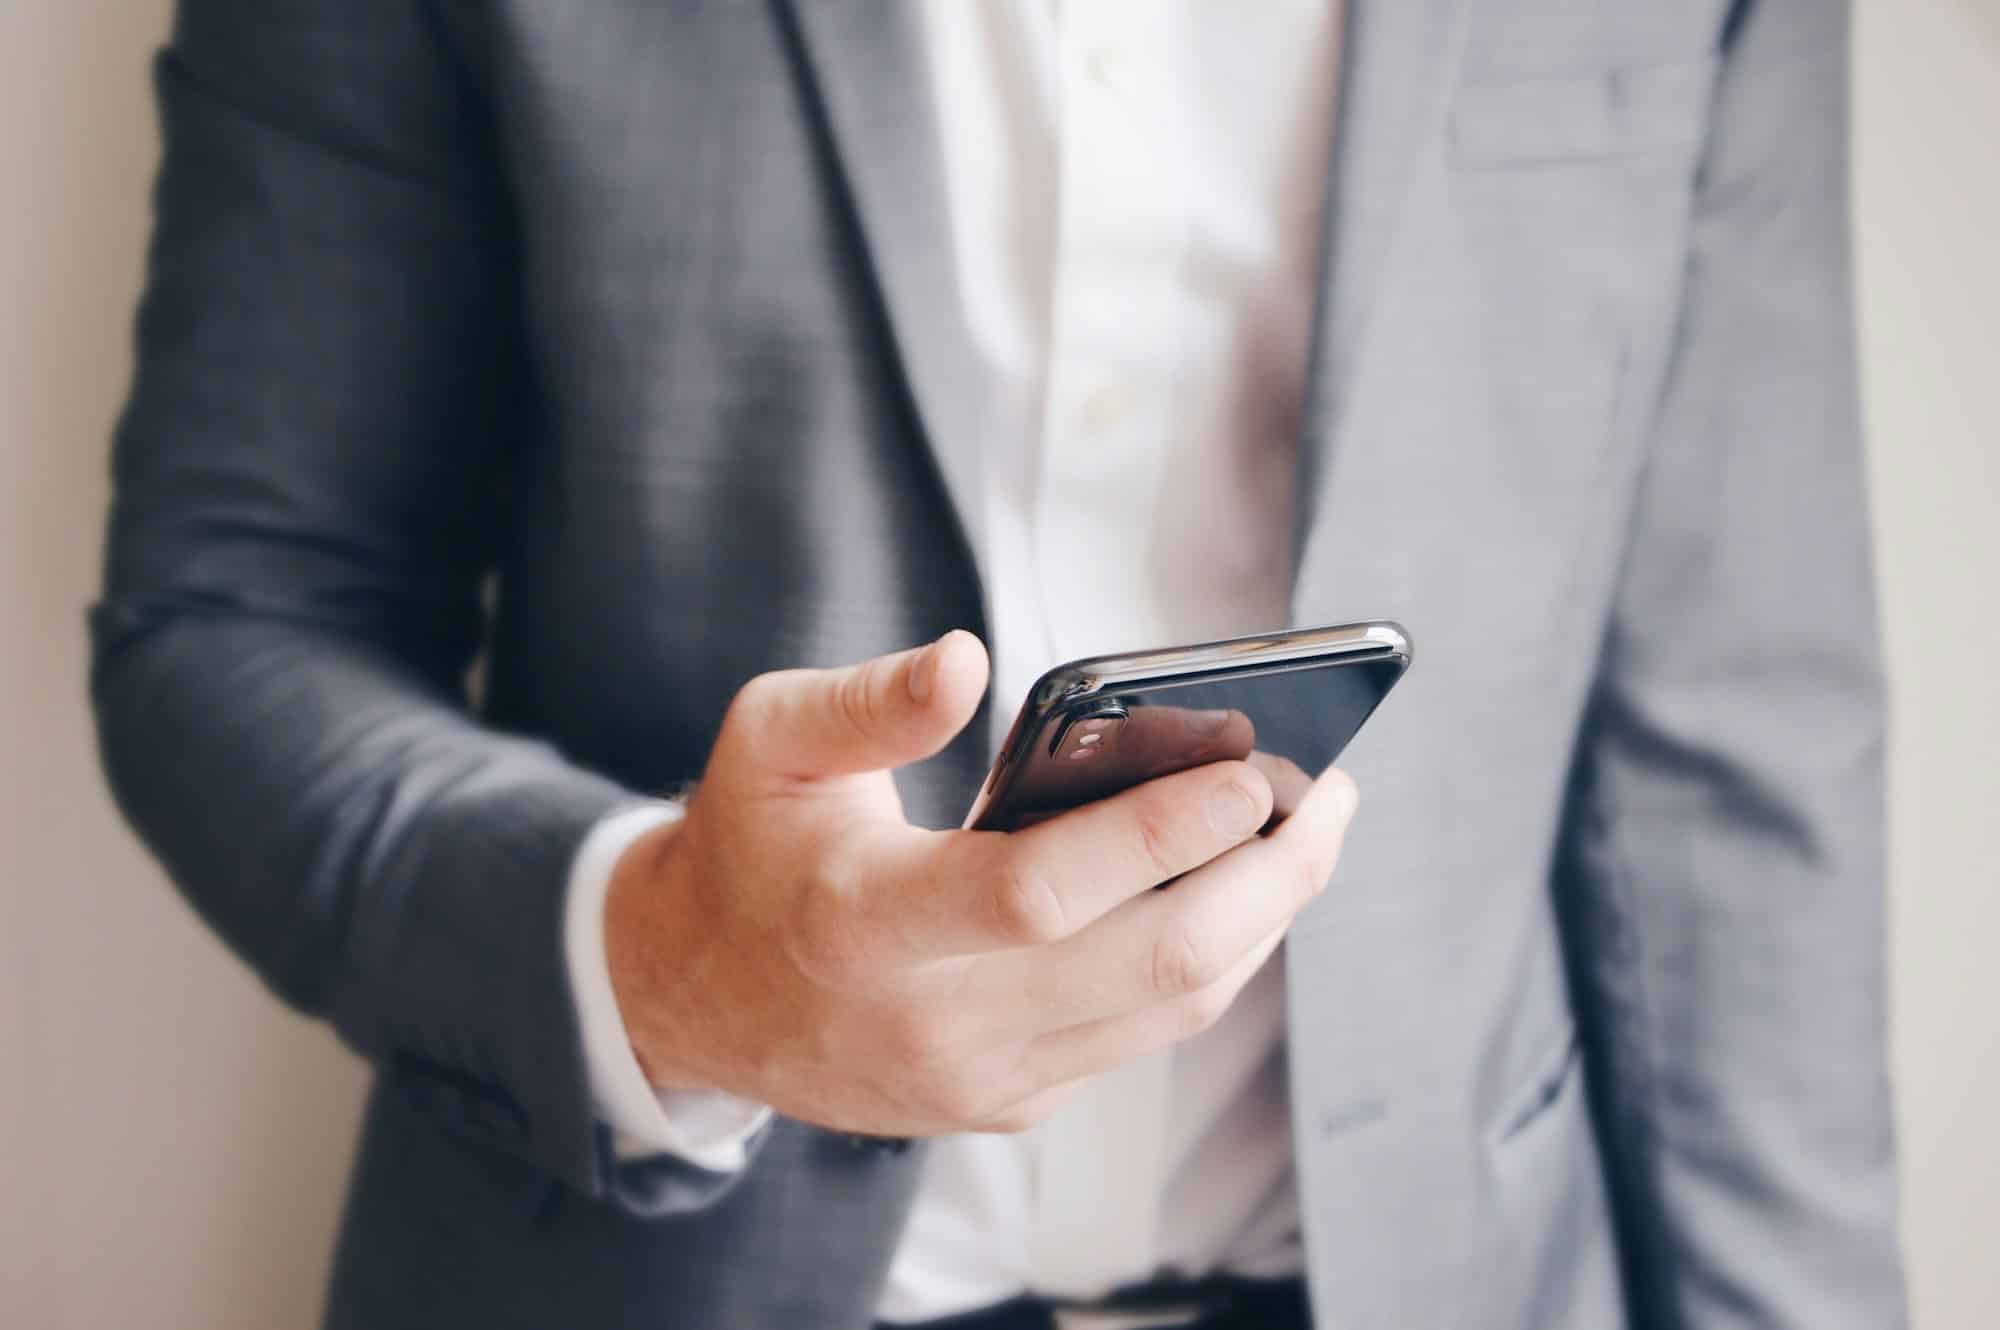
(174, 1143)
(1929, 237)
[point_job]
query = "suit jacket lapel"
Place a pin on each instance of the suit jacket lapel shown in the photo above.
(864, 64)
(1359, 1129)
(1399, 59)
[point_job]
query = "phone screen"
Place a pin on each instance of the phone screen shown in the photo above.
(1291, 721)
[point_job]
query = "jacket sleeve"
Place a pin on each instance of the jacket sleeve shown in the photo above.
(308, 482)
(1722, 869)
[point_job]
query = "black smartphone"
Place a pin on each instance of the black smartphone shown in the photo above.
(1287, 702)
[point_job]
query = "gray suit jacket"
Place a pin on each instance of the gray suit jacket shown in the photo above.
(617, 337)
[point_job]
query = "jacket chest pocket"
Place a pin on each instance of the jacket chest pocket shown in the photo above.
(1568, 199)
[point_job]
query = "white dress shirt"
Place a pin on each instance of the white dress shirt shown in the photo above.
(1134, 189)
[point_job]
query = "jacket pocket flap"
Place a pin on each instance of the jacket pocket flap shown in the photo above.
(1601, 113)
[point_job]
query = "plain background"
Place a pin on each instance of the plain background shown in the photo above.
(174, 1142)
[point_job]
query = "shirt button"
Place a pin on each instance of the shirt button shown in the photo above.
(1106, 405)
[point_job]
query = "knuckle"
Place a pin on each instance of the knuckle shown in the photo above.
(829, 940)
(1181, 965)
(1199, 1011)
(859, 700)
(1305, 864)
(1026, 907)
(752, 702)
(915, 1039)
(1157, 838)
(957, 1099)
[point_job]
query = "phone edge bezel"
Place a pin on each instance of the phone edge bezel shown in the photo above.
(1073, 680)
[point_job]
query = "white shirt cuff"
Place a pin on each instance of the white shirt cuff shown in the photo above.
(707, 1128)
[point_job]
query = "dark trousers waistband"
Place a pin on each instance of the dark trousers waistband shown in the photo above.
(1221, 1302)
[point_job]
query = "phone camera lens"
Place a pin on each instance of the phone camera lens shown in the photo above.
(1087, 736)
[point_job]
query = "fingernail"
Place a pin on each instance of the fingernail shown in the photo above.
(923, 673)
(1233, 812)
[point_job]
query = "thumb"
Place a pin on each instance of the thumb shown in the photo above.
(879, 714)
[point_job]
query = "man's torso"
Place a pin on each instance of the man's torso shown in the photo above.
(727, 236)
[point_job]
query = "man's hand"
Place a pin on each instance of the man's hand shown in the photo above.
(795, 941)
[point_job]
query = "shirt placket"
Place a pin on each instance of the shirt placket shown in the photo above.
(1100, 1156)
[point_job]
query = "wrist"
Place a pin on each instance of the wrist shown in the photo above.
(644, 919)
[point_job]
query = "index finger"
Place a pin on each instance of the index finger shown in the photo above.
(987, 890)
(1168, 945)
